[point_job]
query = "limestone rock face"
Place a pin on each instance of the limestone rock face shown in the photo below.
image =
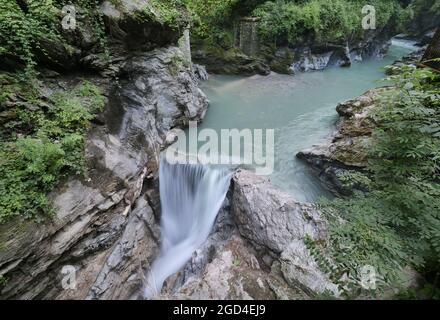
(271, 218)
(200, 72)
(123, 272)
(256, 250)
(312, 62)
(106, 226)
(346, 149)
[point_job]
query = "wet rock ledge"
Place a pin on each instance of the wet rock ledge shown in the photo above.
(256, 250)
(346, 149)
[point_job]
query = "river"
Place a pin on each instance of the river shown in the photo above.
(300, 108)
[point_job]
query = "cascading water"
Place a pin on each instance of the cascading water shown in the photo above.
(191, 197)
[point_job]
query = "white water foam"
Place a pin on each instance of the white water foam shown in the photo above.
(191, 197)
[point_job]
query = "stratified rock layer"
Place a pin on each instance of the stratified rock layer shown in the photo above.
(105, 227)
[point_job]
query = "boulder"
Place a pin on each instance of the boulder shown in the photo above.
(272, 219)
(234, 273)
(346, 149)
(256, 250)
(139, 24)
(231, 61)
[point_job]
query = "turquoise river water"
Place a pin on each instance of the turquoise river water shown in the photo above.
(300, 108)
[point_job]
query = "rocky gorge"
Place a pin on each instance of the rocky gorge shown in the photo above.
(92, 215)
(106, 223)
(257, 249)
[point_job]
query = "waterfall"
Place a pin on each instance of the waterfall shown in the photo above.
(191, 196)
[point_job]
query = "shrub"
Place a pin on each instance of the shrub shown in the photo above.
(323, 21)
(397, 223)
(32, 165)
(24, 28)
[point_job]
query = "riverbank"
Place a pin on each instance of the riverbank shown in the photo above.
(346, 149)
(382, 159)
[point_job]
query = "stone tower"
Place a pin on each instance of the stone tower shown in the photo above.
(248, 40)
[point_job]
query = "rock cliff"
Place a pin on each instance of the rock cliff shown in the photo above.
(105, 224)
(257, 249)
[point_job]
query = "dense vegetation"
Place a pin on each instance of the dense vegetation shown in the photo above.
(29, 27)
(421, 12)
(291, 22)
(42, 143)
(322, 21)
(42, 137)
(397, 222)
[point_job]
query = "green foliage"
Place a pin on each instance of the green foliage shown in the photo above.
(212, 20)
(21, 32)
(428, 291)
(167, 12)
(289, 22)
(397, 223)
(32, 165)
(355, 180)
(419, 8)
(92, 96)
(88, 9)
(25, 30)
(3, 281)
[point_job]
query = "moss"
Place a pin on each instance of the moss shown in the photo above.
(170, 13)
